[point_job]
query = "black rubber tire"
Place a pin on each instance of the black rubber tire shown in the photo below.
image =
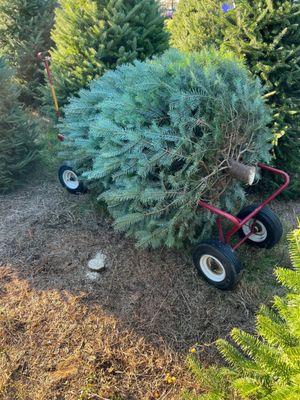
(81, 187)
(226, 256)
(271, 223)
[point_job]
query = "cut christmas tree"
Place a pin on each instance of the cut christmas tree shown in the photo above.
(18, 132)
(156, 136)
(92, 36)
(266, 33)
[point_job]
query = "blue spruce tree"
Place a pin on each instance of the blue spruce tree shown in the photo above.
(156, 136)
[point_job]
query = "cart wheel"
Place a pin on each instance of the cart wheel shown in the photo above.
(266, 226)
(217, 263)
(70, 181)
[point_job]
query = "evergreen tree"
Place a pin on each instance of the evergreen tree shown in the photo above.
(159, 135)
(264, 366)
(93, 36)
(24, 31)
(18, 132)
(197, 24)
(266, 33)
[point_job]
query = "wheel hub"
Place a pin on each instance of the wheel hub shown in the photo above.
(212, 268)
(70, 179)
(255, 230)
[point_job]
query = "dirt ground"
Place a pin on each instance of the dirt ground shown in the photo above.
(66, 333)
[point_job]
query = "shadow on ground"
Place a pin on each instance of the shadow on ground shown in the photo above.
(48, 240)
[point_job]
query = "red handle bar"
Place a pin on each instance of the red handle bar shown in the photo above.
(238, 223)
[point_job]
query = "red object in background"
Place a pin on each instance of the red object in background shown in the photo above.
(169, 14)
(238, 223)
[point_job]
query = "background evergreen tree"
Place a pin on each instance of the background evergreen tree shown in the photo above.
(197, 24)
(24, 30)
(159, 134)
(265, 365)
(93, 36)
(266, 33)
(18, 132)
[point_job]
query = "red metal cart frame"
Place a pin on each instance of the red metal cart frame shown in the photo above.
(238, 223)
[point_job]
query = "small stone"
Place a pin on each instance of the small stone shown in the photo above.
(98, 262)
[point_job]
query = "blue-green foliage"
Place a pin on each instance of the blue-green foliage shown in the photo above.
(156, 136)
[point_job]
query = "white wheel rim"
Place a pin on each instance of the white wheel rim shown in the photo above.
(258, 228)
(212, 268)
(70, 179)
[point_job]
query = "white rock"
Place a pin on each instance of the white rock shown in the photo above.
(98, 262)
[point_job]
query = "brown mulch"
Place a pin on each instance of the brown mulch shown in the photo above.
(66, 333)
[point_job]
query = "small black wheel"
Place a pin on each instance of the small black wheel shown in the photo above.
(70, 180)
(266, 227)
(217, 263)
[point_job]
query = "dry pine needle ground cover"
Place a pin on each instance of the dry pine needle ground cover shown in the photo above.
(121, 334)
(55, 347)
